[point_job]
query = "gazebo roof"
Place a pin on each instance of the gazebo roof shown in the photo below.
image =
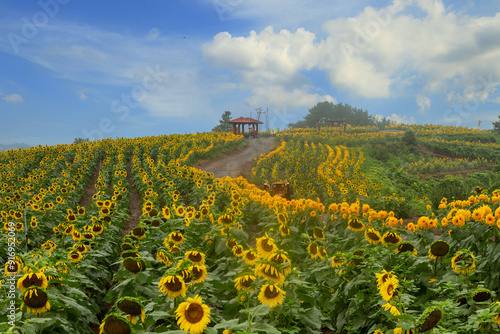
(245, 120)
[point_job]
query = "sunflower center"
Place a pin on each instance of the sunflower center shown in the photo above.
(116, 325)
(481, 296)
(440, 248)
(195, 257)
(129, 307)
(355, 223)
(177, 237)
(35, 298)
(271, 292)
(246, 282)
(373, 236)
(250, 255)
(194, 313)
(390, 289)
(267, 245)
(174, 285)
(197, 273)
(391, 238)
(406, 248)
(314, 248)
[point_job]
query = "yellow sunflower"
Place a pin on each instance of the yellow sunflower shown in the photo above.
(173, 286)
(387, 289)
(132, 307)
(338, 260)
(195, 257)
(270, 272)
(244, 282)
(463, 262)
(355, 224)
(384, 276)
(114, 323)
(250, 257)
(391, 308)
(373, 236)
(438, 249)
(193, 315)
(32, 279)
(176, 237)
(271, 294)
(199, 273)
(265, 246)
(36, 300)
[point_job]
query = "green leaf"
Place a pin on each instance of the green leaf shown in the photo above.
(240, 234)
(311, 318)
(266, 328)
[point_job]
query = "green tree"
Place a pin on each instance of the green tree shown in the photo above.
(224, 125)
(322, 112)
(496, 125)
(81, 140)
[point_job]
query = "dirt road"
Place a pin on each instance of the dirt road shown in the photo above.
(240, 163)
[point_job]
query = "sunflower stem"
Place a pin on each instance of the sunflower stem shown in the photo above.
(435, 267)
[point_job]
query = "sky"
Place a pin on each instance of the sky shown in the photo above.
(118, 68)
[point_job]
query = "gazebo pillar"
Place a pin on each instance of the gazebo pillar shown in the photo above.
(234, 128)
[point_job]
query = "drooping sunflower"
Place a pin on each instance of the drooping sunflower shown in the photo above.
(75, 256)
(373, 236)
(265, 246)
(193, 315)
(313, 250)
(250, 257)
(338, 260)
(429, 319)
(114, 323)
(355, 224)
(244, 282)
(387, 289)
(195, 257)
(481, 295)
(391, 238)
(225, 220)
(49, 245)
(132, 307)
(176, 237)
(139, 232)
(173, 286)
(438, 249)
(391, 308)
(284, 230)
(14, 266)
(280, 258)
(199, 273)
(406, 246)
(463, 262)
(36, 300)
(166, 212)
(32, 279)
(163, 256)
(238, 251)
(318, 233)
(134, 264)
(271, 294)
(270, 271)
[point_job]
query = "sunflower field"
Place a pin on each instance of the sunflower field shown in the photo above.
(128, 236)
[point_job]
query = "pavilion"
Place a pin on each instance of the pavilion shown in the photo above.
(239, 125)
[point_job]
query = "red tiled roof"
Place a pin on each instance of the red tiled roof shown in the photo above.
(245, 120)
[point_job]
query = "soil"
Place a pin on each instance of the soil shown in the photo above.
(240, 163)
(90, 188)
(135, 203)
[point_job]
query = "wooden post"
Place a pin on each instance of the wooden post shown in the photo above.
(234, 128)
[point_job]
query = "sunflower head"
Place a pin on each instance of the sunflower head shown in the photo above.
(438, 249)
(32, 279)
(481, 295)
(355, 224)
(265, 246)
(429, 319)
(463, 262)
(406, 246)
(193, 315)
(36, 300)
(173, 286)
(195, 256)
(244, 282)
(271, 294)
(133, 307)
(134, 264)
(114, 323)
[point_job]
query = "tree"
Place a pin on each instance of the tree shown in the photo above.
(224, 125)
(496, 125)
(81, 140)
(322, 112)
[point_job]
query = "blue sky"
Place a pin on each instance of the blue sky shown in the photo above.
(100, 69)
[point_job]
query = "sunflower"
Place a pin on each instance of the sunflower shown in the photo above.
(225, 220)
(438, 249)
(176, 237)
(166, 212)
(271, 294)
(195, 257)
(265, 246)
(284, 230)
(97, 229)
(132, 307)
(173, 286)
(429, 319)
(463, 262)
(139, 232)
(179, 210)
(76, 235)
(318, 233)
(244, 282)
(355, 224)
(313, 250)
(199, 273)
(391, 237)
(406, 246)
(387, 289)
(49, 245)
(384, 276)
(270, 271)
(32, 279)
(373, 236)
(391, 308)
(281, 258)
(481, 295)
(114, 323)
(338, 260)
(163, 257)
(193, 315)
(36, 300)
(238, 251)
(75, 256)
(134, 264)
(14, 266)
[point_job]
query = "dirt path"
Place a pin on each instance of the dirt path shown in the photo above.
(241, 163)
(135, 203)
(89, 190)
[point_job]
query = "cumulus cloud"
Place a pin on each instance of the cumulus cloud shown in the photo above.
(401, 119)
(278, 96)
(423, 103)
(13, 98)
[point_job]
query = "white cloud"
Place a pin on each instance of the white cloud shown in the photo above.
(81, 95)
(423, 102)
(153, 34)
(13, 98)
(401, 119)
